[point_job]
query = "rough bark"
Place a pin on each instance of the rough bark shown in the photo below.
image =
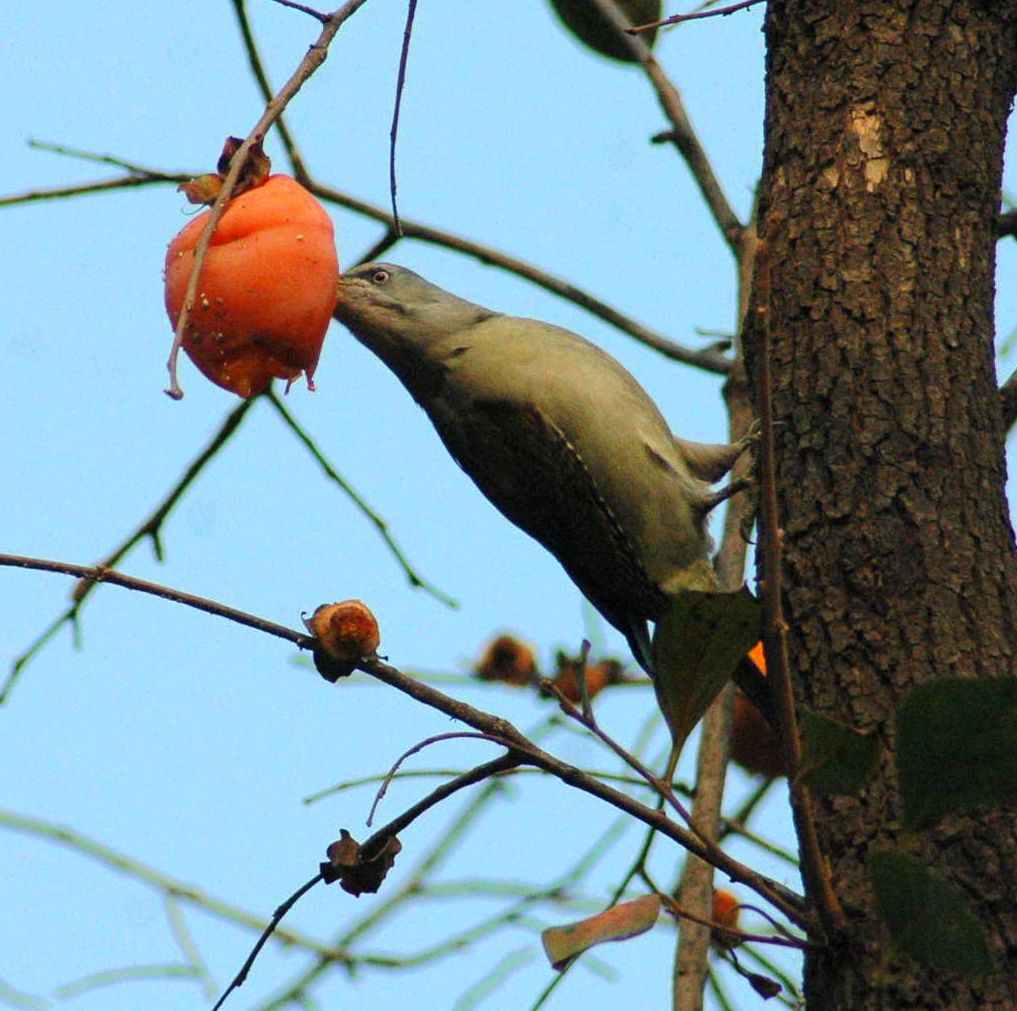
(884, 137)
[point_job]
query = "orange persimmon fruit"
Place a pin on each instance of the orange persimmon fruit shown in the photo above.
(267, 288)
(509, 660)
(755, 745)
(597, 674)
(725, 912)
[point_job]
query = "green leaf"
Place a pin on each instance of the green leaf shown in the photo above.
(957, 748)
(584, 21)
(927, 917)
(627, 919)
(836, 758)
(696, 647)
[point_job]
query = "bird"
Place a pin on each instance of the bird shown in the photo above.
(558, 435)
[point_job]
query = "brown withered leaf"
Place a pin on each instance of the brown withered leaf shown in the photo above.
(356, 873)
(204, 189)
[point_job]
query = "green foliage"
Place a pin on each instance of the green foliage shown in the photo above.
(926, 917)
(696, 647)
(957, 748)
(836, 758)
(583, 19)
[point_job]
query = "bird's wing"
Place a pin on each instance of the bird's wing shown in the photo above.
(529, 469)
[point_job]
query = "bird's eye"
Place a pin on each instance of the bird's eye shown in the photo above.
(380, 277)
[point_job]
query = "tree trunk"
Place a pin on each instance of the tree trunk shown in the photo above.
(885, 127)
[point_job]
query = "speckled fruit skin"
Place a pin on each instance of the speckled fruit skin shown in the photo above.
(267, 288)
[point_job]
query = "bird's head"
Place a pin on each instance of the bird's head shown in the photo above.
(387, 306)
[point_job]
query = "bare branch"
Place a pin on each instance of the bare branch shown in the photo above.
(695, 891)
(1008, 400)
(270, 929)
(260, 75)
(404, 58)
(815, 869)
(709, 359)
(415, 579)
(476, 775)
(313, 59)
(418, 747)
(171, 887)
(677, 19)
(682, 134)
(523, 749)
(316, 14)
(101, 574)
(662, 788)
(150, 528)
(678, 911)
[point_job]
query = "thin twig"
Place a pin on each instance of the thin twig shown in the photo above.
(316, 14)
(281, 911)
(708, 359)
(289, 143)
(682, 133)
(313, 59)
(418, 747)
(523, 749)
(610, 777)
(380, 248)
(404, 58)
(815, 871)
(171, 887)
(695, 891)
(150, 528)
(677, 910)
(476, 775)
(734, 827)
(81, 189)
(188, 946)
(677, 19)
(101, 574)
(660, 786)
(380, 524)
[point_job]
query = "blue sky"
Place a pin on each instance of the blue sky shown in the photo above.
(187, 742)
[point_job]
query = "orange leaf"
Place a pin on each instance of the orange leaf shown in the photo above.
(627, 919)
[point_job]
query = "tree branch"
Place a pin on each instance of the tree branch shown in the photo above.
(682, 134)
(289, 143)
(103, 854)
(381, 525)
(150, 528)
(815, 869)
(313, 59)
(677, 19)
(695, 892)
(523, 749)
(1008, 400)
(785, 900)
(707, 359)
